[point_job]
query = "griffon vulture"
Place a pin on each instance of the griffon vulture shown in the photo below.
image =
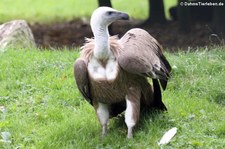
(112, 73)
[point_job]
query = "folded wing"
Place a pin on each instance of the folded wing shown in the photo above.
(141, 54)
(82, 80)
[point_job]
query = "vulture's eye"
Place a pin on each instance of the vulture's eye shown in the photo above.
(110, 13)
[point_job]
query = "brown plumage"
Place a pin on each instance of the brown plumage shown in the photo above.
(112, 73)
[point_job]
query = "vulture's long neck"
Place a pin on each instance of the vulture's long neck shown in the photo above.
(101, 37)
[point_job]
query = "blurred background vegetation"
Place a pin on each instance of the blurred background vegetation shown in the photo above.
(57, 10)
(175, 23)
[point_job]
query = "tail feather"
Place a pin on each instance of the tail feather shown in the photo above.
(158, 96)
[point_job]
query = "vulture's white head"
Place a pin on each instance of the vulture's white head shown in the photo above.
(102, 17)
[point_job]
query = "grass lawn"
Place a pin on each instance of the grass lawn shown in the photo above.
(61, 10)
(40, 106)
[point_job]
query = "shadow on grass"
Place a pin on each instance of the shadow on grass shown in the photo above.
(219, 98)
(151, 119)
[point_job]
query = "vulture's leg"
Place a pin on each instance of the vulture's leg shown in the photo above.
(103, 116)
(132, 110)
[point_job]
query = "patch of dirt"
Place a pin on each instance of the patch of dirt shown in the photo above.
(72, 34)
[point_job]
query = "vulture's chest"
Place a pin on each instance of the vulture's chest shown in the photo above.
(103, 71)
(106, 81)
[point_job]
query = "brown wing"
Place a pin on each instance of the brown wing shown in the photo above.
(141, 54)
(81, 78)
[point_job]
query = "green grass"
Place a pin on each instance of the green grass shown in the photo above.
(47, 11)
(42, 108)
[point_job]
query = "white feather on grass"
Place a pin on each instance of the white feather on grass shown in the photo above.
(168, 136)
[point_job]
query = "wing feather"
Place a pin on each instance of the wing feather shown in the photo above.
(141, 54)
(81, 78)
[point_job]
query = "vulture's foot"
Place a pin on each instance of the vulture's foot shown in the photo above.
(132, 112)
(129, 133)
(103, 116)
(104, 130)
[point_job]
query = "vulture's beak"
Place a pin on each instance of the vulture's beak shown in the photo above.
(123, 16)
